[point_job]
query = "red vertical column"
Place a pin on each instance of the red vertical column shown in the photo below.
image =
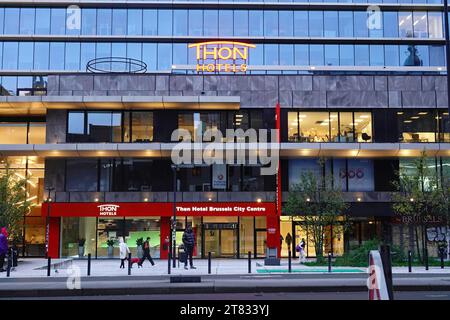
(273, 232)
(53, 237)
(164, 234)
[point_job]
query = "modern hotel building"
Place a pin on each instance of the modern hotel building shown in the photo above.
(363, 86)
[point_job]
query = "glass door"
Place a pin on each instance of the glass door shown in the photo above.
(228, 243)
(260, 243)
(212, 242)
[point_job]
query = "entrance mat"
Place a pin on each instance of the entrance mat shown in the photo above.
(349, 270)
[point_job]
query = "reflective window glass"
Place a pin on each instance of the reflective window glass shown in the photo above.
(72, 56)
(346, 55)
(270, 23)
(142, 126)
(331, 55)
(437, 56)
(81, 175)
(2, 19)
(88, 21)
(58, 21)
(87, 54)
(256, 56)
(134, 51)
(286, 23)
(104, 21)
(286, 54)
(316, 23)
(390, 24)
(360, 175)
(104, 126)
(164, 56)
(179, 53)
(360, 24)
(316, 56)
(361, 55)
(75, 124)
(57, 55)
(330, 19)
(405, 24)
(435, 24)
(12, 16)
(423, 54)
(25, 55)
(391, 55)
(420, 24)
(410, 56)
(417, 126)
(180, 22)
(345, 23)
(150, 22)
(118, 50)
(27, 20)
(195, 22)
(376, 55)
(73, 21)
(103, 50)
(10, 55)
(301, 23)
(226, 23)
(134, 22)
(149, 55)
(211, 22)
(119, 21)
(271, 54)
(301, 54)
(164, 22)
(41, 56)
(42, 21)
(10, 85)
(256, 22)
(241, 23)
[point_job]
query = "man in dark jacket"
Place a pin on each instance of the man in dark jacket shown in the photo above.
(146, 253)
(189, 243)
(3, 247)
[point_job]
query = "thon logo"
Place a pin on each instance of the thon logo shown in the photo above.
(108, 209)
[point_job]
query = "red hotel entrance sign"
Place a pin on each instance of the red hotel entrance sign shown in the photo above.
(160, 209)
(163, 209)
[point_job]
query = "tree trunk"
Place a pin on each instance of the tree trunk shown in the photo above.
(417, 243)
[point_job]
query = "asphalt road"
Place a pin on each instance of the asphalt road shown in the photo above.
(413, 295)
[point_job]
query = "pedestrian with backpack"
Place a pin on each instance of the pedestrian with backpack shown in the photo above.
(146, 253)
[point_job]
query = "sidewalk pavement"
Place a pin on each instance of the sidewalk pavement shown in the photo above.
(37, 268)
(228, 276)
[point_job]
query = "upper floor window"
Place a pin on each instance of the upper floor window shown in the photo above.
(17, 131)
(106, 126)
(311, 126)
(417, 125)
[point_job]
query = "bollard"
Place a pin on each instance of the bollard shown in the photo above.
(426, 260)
(289, 262)
(329, 261)
(249, 262)
(409, 261)
(442, 260)
(209, 262)
(169, 258)
(9, 264)
(129, 264)
(89, 265)
(49, 264)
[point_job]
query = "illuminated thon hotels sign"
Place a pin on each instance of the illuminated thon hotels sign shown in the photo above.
(221, 56)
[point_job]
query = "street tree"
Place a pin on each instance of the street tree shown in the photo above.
(420, 197)
(13, 201)
(319, 201)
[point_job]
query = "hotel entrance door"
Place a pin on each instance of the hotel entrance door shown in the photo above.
(220, 239)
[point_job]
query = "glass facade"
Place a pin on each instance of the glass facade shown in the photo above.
(183, 22)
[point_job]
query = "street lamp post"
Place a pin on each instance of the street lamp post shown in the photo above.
(49, 200)
(447, 53)
(174, 221)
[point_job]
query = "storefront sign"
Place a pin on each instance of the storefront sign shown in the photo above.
(161, 209)
(221, 56)
(108, 209)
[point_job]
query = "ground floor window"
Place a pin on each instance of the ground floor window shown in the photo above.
(224, 237)
(295, 228)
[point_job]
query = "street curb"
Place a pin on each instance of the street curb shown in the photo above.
(203, 289)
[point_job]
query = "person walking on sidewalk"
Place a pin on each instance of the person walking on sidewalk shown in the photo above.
(146, 253)
(302, 253)
(189, 243)
(3, 247)
(124, 251)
